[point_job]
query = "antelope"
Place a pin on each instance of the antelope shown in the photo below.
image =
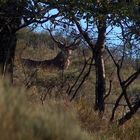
(60, 61)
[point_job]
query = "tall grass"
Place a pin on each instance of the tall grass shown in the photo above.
(22, 120)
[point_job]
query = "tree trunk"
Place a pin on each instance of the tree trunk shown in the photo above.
(100, 88)
(10, 22)
(7, 53)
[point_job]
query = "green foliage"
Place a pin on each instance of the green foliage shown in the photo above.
(17, 3)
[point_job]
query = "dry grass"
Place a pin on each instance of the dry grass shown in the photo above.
(24, 117)
(101, 128)
(21, 119)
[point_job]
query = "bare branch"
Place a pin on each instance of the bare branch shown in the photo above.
(129, 114)
(82, 71)
(84, 78)
(109, 91)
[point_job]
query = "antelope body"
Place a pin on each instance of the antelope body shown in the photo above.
(61, 61)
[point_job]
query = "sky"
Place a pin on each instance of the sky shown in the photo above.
(111, 33)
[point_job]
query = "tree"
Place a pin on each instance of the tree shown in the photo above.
(14, 15)
(97, 15)
(94, 14)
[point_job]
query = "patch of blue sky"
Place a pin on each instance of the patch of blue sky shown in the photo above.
(39, 27)
(113, 34)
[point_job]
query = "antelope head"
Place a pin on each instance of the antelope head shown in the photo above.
(66, 48)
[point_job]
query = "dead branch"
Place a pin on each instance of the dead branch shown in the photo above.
(83, 80)
(122, 85)
(129, 114)
(81, 73)
(109, 91)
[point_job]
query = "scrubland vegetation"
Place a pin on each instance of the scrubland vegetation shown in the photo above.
(24, 117)
(78, 79)
(38, 108)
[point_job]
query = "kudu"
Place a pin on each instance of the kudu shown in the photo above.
(60, 61)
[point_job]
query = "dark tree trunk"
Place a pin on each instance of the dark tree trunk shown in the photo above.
(7, 53)
(10, 21)
(100, 88)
